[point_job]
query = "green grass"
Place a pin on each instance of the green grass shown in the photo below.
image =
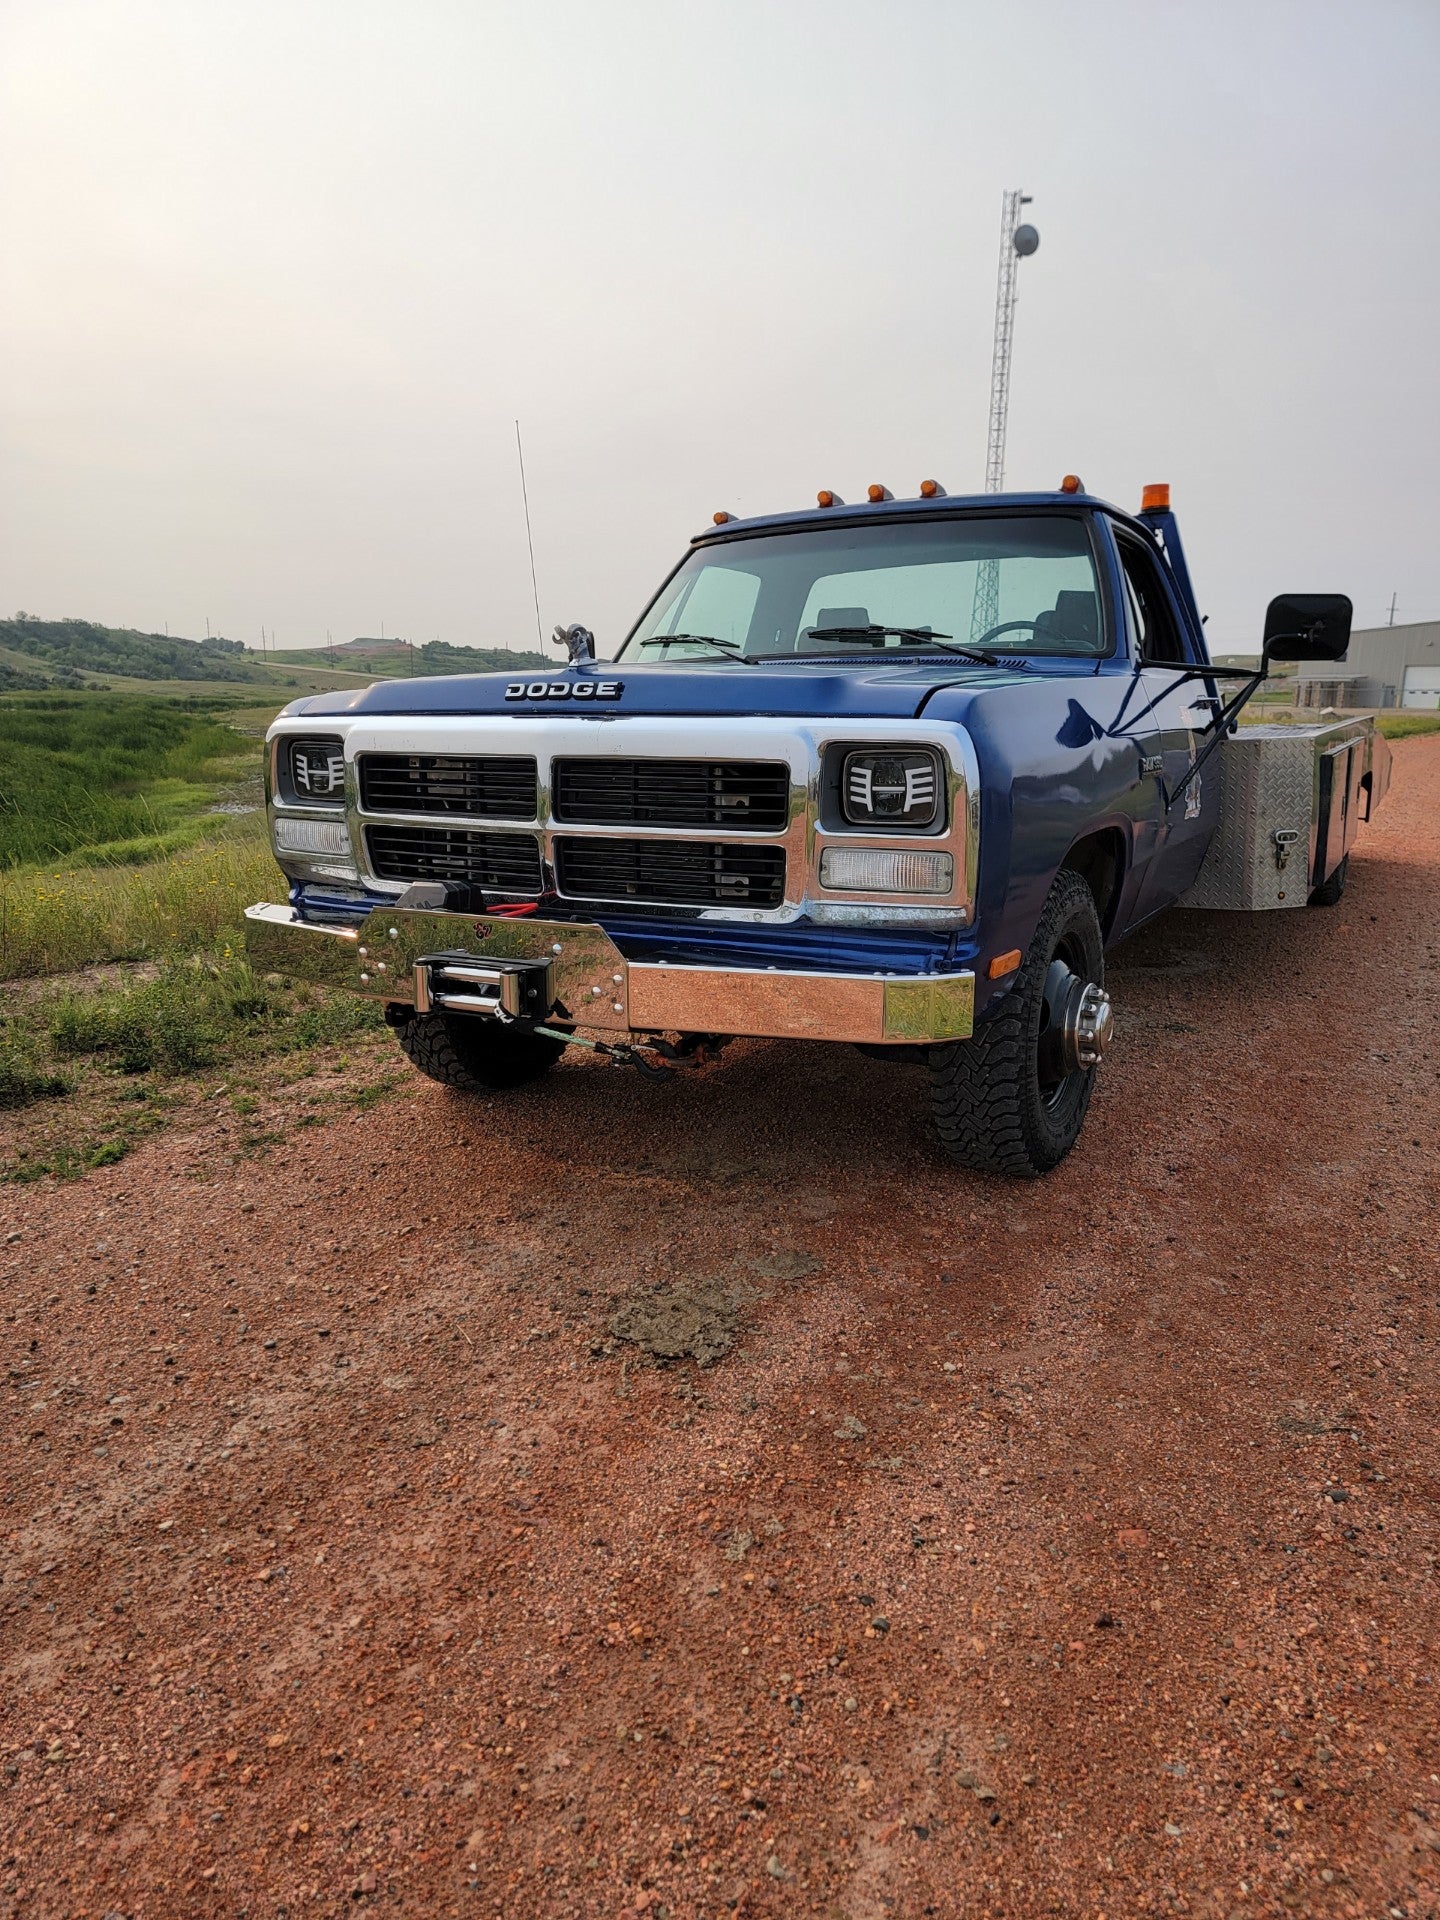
(1400, 726)
(58, 920)
(108, 777)
(24, 1078)
(112, 1064)
(194, 1012)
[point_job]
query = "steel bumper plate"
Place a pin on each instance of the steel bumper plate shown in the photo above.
(596, 987)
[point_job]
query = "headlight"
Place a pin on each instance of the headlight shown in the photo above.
(313, 770)
(884, 788)
(879, 870)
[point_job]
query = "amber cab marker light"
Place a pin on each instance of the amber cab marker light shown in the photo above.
(875, 493)
(721, 517)
(1156, 498)
(1072, 483)
(825, 498)
(931, 490)
(1004, 963)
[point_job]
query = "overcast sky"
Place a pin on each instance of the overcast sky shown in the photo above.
(276, 280)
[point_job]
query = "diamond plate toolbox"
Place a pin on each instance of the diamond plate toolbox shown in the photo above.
(1263, 853)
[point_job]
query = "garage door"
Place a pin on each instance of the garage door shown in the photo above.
(1422, 687)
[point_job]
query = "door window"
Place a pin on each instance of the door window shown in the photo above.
(1154, 632)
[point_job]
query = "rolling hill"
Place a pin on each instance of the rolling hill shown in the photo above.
(68, 652)
(40, 655)
(400, 660)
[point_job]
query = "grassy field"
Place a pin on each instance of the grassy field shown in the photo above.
(131, 827)
(88, 1069)
(106, 778)
(122, 890)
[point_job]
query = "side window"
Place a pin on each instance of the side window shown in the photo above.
(1155, 633)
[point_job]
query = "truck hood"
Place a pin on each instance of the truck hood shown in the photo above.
(897, 690)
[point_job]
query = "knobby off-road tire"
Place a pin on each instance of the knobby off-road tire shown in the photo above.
(1328, 893)
(473, 1055)
(994, 1110)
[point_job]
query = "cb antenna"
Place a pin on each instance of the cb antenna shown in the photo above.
(529, 536)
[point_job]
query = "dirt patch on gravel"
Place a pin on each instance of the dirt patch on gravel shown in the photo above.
(1058, 1548)
(697, 1321)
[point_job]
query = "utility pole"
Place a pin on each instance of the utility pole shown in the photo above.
(1017, 242)
(1391, 621)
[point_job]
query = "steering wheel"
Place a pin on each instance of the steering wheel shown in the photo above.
(1012, 626)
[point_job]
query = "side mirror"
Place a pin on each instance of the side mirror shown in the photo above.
(1307, 626)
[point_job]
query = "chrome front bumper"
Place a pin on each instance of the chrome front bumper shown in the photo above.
(483, 965)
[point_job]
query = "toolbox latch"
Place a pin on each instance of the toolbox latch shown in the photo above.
(1284, 838)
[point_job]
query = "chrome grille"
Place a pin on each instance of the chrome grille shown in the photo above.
(753, 796)
(692, 873)
(501, 862)
(485, 787)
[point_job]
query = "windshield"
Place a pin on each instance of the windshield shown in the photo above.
(1007, 583)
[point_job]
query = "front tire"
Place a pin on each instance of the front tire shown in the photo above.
(1013, 1098)
(474, 1055)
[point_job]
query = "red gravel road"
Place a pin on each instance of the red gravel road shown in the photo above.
(1061, 1548)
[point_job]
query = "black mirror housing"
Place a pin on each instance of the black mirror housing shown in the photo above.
(1308, 626)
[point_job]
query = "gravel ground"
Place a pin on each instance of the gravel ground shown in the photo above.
(1065, 1548)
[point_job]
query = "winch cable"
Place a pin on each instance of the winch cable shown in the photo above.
(621, 1055)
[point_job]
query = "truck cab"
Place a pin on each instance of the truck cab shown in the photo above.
(896, 773)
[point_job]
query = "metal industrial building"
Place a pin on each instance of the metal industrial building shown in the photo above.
(1385, 667)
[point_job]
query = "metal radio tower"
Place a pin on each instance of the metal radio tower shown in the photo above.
(1017, 242)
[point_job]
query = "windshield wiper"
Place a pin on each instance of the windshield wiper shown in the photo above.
(727, 647)
(912, 636)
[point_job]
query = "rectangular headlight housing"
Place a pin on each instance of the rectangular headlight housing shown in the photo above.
(885, 870)
(312, 771)
(885, 788)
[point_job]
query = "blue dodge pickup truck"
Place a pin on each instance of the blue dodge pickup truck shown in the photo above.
(895, 773)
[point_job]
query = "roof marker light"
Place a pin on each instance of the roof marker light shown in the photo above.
(1156, 498)
(1072, 483)
(825, 498)
(721, 517)
(875, 493)
(931, 490)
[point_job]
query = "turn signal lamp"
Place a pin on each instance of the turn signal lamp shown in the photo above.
(1004, 964)
(875, 493)
(876, 870)
(825, 498)
(1156, 498)
(721, 517)
(1072, 483)
(931, 490)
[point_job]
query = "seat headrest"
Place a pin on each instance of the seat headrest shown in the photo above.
(841, 617)
(1076, 614)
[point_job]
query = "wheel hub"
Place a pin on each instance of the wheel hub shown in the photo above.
(1079, 1021)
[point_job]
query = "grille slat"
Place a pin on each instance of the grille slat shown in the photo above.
(483, 787)
(737, 795)
(500, 862)
(670, 872)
